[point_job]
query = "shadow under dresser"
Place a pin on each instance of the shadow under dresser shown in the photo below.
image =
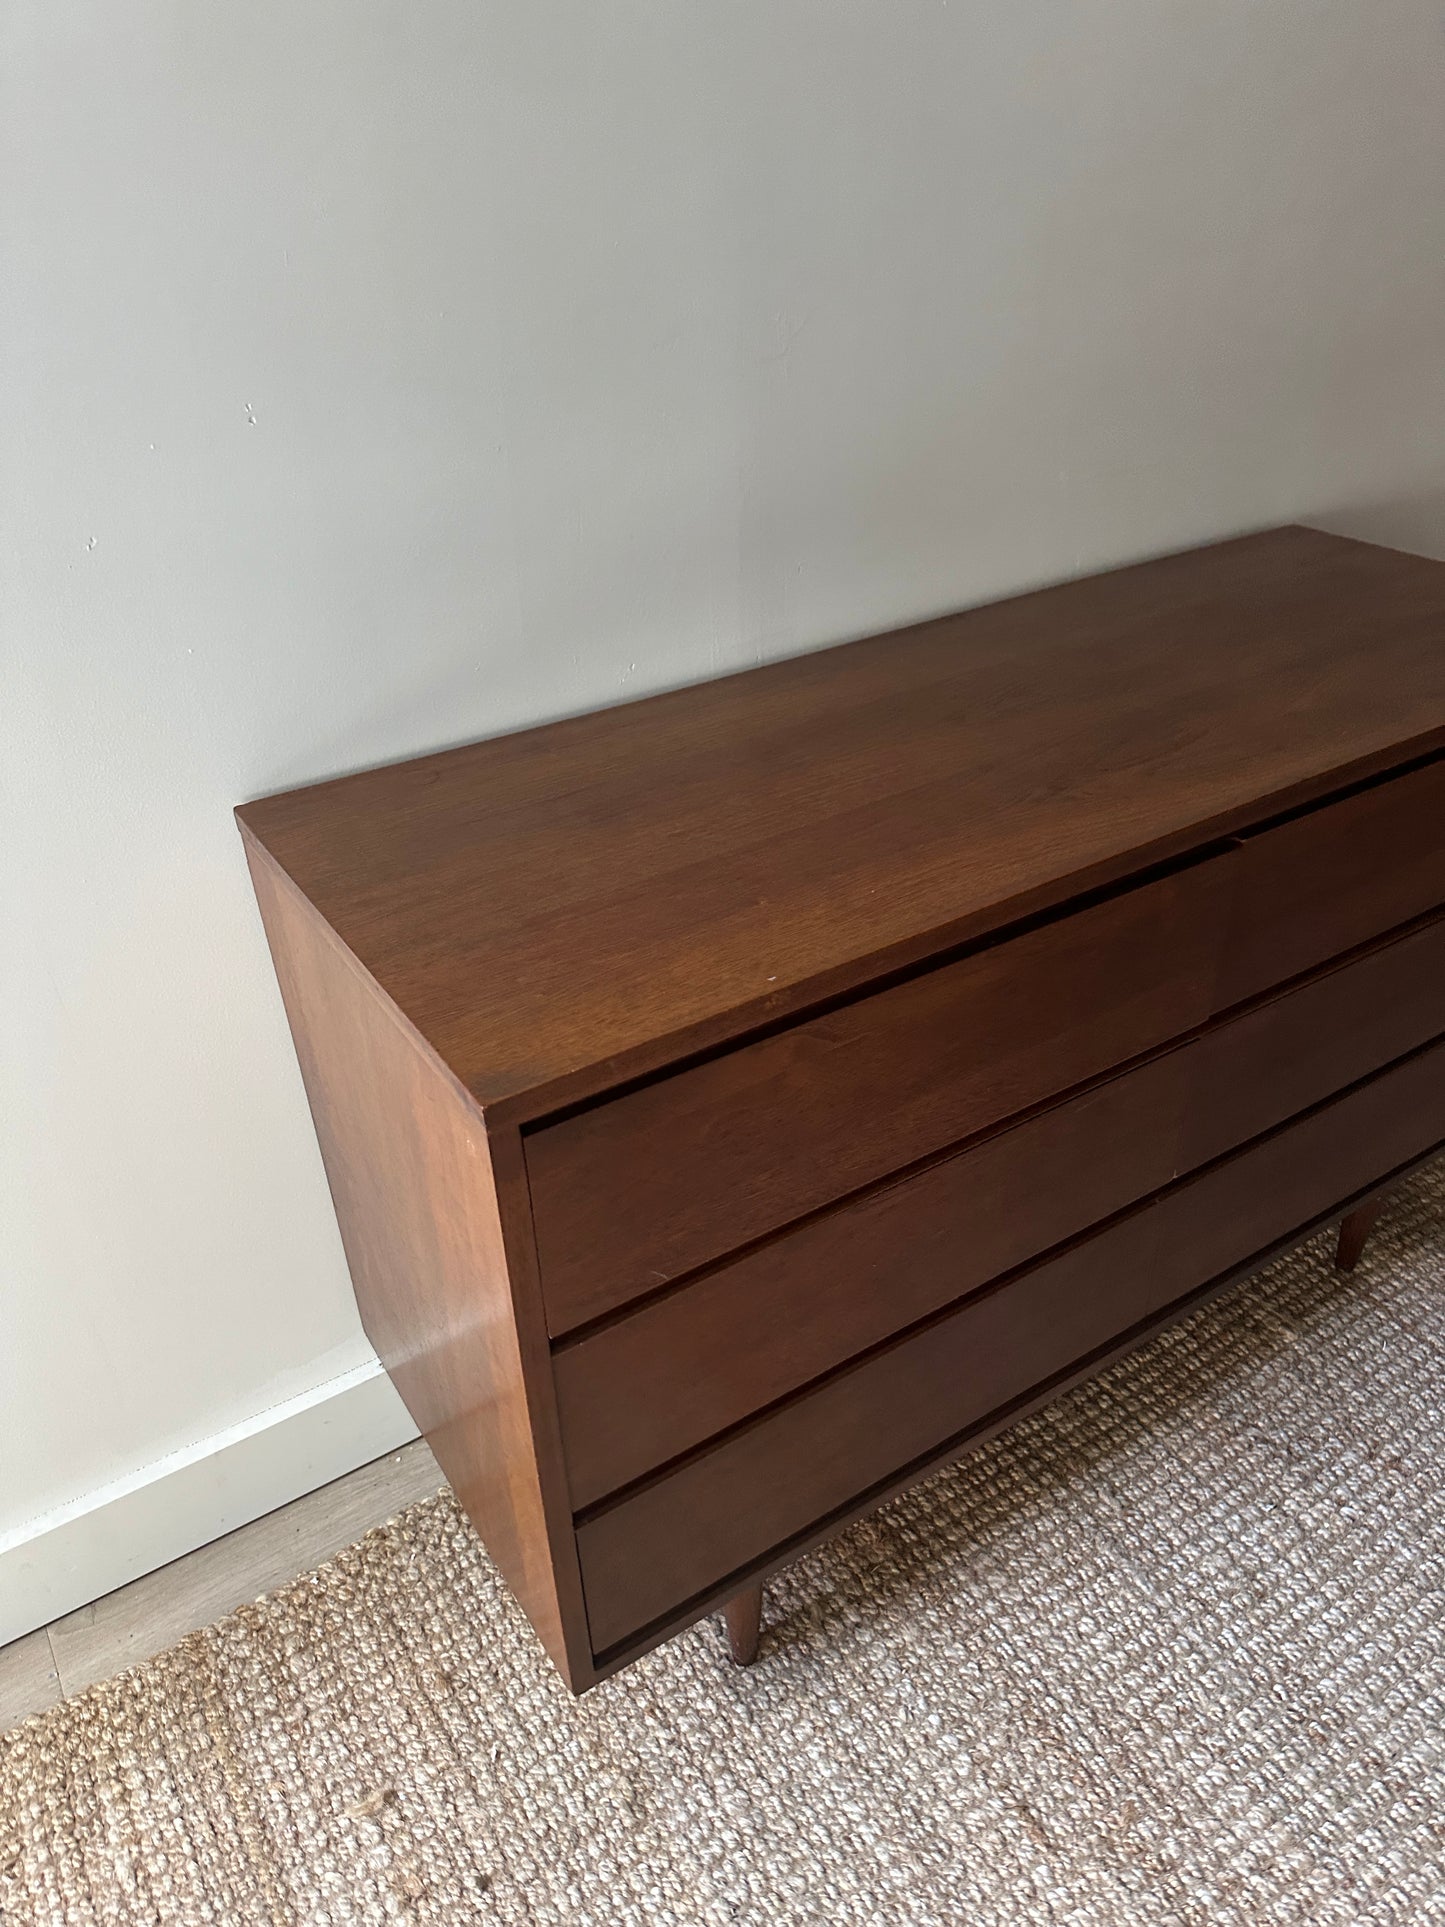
(740, 1102)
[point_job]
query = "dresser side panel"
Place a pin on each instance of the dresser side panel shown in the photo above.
(416, 1196)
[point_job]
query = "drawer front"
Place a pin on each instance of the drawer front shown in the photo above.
(1333, 878)
(635, 1192)
(664, 1545)
(699, 1359)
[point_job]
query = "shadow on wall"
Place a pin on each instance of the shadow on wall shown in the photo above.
(1414, 521)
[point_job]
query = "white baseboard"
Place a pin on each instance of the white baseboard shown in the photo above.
(79, 1552)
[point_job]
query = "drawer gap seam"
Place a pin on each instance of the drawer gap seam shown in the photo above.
(889, 979)
(620, 1495)
(1213, 847)
(1080, 1370)
(958, 1147)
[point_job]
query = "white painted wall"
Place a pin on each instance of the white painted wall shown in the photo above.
(383, 373)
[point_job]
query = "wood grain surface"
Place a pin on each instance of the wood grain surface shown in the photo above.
(699, 1358)
(29, 1679)
(418, 1189)
(576, 904)
(647, 1555)
(629, 1194)
(1335, 877)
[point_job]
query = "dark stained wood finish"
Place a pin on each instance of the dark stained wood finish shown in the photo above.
(742, 1144)
(652, 1551)
(748, 1141)
(879, 992)
(743, 1615)
(697, 1359)
(960, 1444)
(1287, 1051)
(412, 1177)
(1335, 877)
(562, 908)
(1354, 1230)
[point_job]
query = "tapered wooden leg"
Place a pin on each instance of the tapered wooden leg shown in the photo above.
(744, 1616)
(1354, 1231)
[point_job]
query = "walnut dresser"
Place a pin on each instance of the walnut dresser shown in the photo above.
(738, 1103)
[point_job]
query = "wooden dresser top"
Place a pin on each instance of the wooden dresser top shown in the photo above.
(574, 904)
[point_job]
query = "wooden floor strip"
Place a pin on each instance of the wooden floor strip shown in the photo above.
(29, 1682)
(129, 1625)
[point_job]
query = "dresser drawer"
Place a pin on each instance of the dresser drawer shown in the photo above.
(700, 1358)
(734, 1503)
(631, 1193)
(1333, 878)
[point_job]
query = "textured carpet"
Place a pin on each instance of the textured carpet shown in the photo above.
(1173, 1651)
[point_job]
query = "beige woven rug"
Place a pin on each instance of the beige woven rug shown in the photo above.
(1174, 1651)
